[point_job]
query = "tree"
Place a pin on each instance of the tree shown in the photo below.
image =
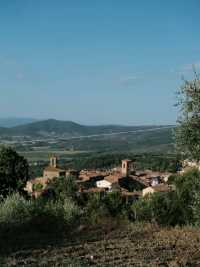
(113, 202)
(141, 210)
(183, 201)
(188, 189)
(63, 187)
(168, 209)
(196, 208)
(14, 171)
(188, 129)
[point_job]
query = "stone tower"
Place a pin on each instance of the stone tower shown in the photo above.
(53, 161)
(126, 167)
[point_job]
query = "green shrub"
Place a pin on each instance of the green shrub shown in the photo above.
(37, 187)
(187, 191)
(141, 210)
(71, 212)
(114, 203)
(98, 207)
(168, 209)
(15, 209)
(94, 208)
(161, 208)
(196, 208)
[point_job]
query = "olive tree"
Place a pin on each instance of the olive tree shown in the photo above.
(188, 128)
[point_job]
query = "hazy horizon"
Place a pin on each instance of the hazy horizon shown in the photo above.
(24, 120)
(96, 62)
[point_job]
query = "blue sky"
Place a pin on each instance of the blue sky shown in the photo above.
(96, 62)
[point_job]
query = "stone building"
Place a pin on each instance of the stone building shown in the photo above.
(109, 181)
(39, 184)
(160, 188)
(115, 177)
(52, 170)
(127, 167)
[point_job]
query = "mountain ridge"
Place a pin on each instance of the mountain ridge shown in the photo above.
(53, 127)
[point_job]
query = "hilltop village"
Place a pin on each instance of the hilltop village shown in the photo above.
(131, 183)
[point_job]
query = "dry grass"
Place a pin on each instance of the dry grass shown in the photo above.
(112, 245)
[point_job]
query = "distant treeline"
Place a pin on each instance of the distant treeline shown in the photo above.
(155, 162)
(142, 161)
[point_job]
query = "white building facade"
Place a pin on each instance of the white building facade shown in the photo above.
(104, 184)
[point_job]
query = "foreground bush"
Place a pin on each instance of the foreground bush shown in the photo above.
(141, 210)
(178, 207)
(98, 207)
(161, 208)
(14, 209)
(39, 213)
(188, 192)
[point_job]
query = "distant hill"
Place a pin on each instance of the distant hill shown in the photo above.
(65, 129)
(12, 122)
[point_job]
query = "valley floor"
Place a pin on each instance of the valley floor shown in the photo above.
(106, 245)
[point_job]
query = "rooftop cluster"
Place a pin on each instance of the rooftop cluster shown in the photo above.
(126, 179)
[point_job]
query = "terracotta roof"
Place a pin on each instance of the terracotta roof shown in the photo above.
(141, 180)
(83, 178)
(87, 175)
(53, 169)
(151, 174)
(93, 172)
(113, 178)
(140, 173)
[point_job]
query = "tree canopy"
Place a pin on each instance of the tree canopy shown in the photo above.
(63, 187)
(188, 129)
(14, 171)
